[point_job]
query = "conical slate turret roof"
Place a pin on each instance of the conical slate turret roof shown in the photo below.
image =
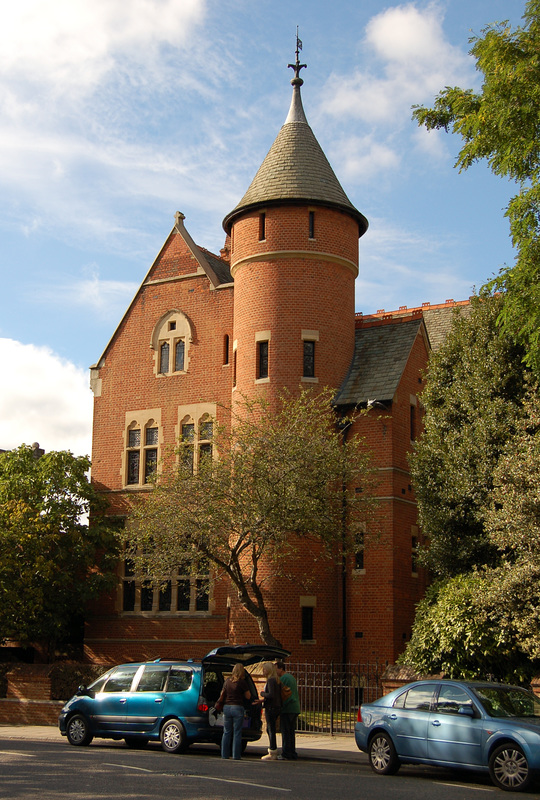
(295, 170)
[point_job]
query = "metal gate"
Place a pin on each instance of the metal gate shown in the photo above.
(330, 694)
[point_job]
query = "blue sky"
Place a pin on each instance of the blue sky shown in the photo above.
(115, 114)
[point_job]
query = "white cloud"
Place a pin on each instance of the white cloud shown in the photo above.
(108, 299)
(74, 43)
(44, 399)
(409, 45)
(360, 158)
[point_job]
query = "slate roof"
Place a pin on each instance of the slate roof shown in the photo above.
(380, 356)
(220, 267)
(439, 321)
(295, 170)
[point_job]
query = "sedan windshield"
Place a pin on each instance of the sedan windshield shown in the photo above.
(504, 701)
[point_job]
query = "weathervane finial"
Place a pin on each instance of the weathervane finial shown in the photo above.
(297, 80)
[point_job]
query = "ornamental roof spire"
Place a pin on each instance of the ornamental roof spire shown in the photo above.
(295, 169)
(297, 80)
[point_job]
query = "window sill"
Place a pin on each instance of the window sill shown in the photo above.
(308, 641)
(309, 380)
(262, 380)
(359, 571)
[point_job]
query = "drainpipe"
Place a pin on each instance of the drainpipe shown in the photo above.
(344, 424)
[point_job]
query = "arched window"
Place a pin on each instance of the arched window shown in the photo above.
(171, 340)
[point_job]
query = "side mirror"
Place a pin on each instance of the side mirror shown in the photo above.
(82, 691)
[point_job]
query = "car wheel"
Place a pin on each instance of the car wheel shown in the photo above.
(173, 736)
(136, 742)
(509, 768)
(78, 731)
(382, 755)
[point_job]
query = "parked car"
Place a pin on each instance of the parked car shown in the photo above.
(489, 727)
(167, 701)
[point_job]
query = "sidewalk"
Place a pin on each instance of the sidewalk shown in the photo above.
(308, 746)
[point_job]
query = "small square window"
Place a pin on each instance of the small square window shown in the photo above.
(172, 326)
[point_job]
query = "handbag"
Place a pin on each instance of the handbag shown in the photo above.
(220, 702)
(286, 692)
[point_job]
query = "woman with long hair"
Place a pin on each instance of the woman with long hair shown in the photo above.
(233, 696)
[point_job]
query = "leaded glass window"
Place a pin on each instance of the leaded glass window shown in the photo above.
(179, 354)
(309, 359)
(134, 462)
(164, 358)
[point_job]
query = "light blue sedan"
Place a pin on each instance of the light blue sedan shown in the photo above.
(489, 727)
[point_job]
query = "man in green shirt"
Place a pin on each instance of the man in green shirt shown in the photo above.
(290, 710)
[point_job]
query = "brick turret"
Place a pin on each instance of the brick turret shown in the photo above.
(294, 259)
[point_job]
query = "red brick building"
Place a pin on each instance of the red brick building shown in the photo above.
(275, 309)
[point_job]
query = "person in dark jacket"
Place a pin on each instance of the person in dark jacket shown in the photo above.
(290, 709)
(233, 696)
(271, 695)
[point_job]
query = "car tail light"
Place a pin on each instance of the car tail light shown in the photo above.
(359, 715)
(203, 706)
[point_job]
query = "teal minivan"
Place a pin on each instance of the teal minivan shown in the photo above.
(171, 702)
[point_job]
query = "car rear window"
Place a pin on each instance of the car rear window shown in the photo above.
(179, 680)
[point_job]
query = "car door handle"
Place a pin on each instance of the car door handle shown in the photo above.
(392, 716)
(122, 699)
(436, 723)
(158, 699)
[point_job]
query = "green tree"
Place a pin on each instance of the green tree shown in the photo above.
(501, 123)
(284, 477)
(458, 631)
(51, 560)
(475, 385)
(513, 525)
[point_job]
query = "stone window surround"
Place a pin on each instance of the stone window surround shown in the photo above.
(263, 336)
(162, 333)
(195, 413)
(172, 612)
(141, 420)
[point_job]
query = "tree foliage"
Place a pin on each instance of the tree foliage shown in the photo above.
(472, 402)
(51, 561)
(284, 476)
(513, 525)
(501, 124)
(458, 631)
